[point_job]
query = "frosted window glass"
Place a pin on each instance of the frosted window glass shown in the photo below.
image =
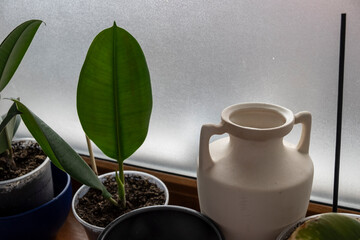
(203, 56)
(349, 190)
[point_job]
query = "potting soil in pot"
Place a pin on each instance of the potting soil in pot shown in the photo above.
(27, 156)
(96, 210)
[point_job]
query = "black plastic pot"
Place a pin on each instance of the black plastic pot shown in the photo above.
(162, 223)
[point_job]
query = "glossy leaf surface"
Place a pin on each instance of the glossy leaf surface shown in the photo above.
(59, 152)
(329, 226)
(114, 98)
(13, 49)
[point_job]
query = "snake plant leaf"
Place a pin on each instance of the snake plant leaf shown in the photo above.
(329, 226)
(114, 98)
(59, 152)
(9, 124)
(13, 49)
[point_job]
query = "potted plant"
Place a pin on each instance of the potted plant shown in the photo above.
(114, 103)
(20, 194)
(326, 226)
(63, 156)
(27, 187)
(55, 148)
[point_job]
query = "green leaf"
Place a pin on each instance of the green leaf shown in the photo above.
(13, 49)
(114, 98)
(329, 226)
(10, 122)
(59, 152)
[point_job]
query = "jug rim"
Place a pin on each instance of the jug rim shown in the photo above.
(280, 124)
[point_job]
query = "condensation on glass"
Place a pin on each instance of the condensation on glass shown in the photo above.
(203, 56)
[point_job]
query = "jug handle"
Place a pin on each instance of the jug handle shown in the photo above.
(305, 119)
(207, 130)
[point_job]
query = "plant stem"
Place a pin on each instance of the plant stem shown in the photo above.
(91, 153)
(10, 151)
(120, 179)
(93, 165)
(113, 201)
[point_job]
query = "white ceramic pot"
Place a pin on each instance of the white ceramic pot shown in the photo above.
(93, 231)
(252, 183)
(28, 191)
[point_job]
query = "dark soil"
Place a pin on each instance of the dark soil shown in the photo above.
(94, 209)
(27, 156)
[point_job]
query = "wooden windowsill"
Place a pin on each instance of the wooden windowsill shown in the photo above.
(182, 190)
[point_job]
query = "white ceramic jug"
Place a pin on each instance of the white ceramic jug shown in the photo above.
(252, 183)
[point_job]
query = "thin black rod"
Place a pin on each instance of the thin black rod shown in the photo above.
(339, 112)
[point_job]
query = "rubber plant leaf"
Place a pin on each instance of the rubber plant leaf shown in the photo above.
(114, 98)
(10, 122)
(59, 152)
(328, 226)
(13, 49)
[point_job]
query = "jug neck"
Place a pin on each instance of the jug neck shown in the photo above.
(240, 144)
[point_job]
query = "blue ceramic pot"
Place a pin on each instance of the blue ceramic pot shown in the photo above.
(44, 221)
(162, 223)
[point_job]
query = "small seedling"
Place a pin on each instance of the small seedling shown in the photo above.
(114, 98)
